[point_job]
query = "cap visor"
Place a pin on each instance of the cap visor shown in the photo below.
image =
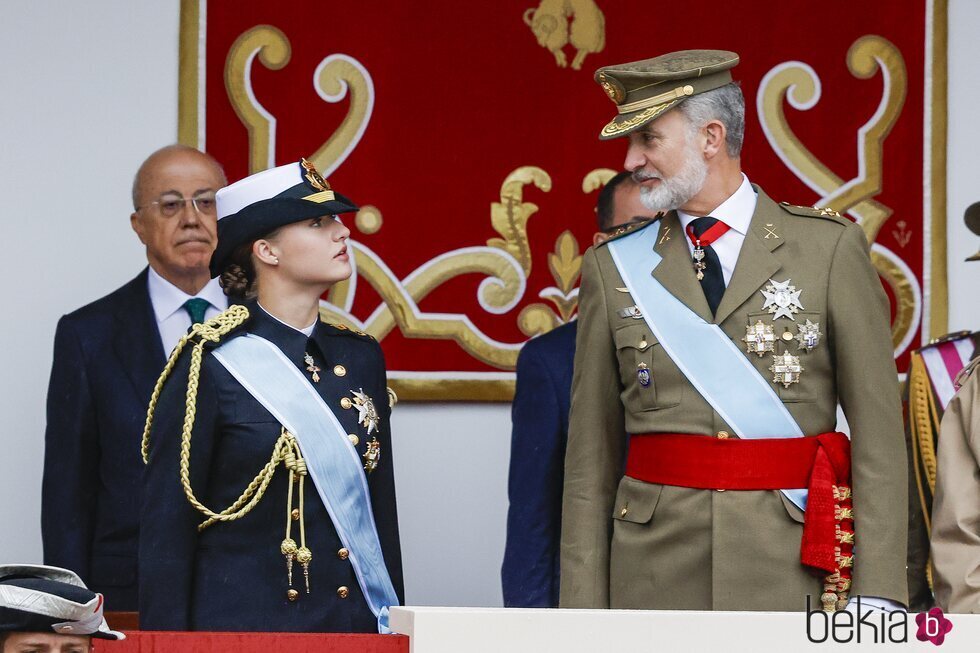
(625, 123)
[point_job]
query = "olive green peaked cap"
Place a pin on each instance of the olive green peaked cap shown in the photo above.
(644, 90)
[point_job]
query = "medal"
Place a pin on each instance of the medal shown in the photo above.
(759, 338)
(808, 335)
(372, 455)
(643, 374)
(367, 416)
(782, 299)
(786, 369)
(311, 367)
(710, 235)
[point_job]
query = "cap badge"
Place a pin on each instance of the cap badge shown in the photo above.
(313, 176)
(613, 89)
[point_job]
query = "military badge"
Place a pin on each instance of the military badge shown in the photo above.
(313, 176)
(367, 416)
(613, 88)
(782, 299)
(372, 455)
(631, 311)
(311, 367)
(759, 338)
(643, 374)
(786, 369)
(808, 335)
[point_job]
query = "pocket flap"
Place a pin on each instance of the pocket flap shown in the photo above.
(635, 336)
(636, 500)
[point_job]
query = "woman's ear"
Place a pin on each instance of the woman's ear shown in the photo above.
(264, 251)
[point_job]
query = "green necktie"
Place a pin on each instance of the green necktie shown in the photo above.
(196, 307)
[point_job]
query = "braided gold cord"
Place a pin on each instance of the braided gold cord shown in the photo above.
(211, 330)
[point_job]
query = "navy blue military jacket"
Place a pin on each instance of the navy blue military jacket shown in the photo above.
(107, 356)
(232, 576)
(539, 413)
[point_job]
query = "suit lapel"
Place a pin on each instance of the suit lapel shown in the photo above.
(756, 261)
(136, 339)
(676, 271)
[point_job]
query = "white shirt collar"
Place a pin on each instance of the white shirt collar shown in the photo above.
(307, 331)
(736, 211)
(167, 298)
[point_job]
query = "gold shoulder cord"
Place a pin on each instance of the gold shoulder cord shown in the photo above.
(286, 450)
(924, 425)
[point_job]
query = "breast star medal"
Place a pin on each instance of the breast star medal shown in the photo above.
(759, 338)
(782, 299)
(311, 367)
(808, 335)
(367, 416)
(372, 455)
(643, 374)
(786, 369)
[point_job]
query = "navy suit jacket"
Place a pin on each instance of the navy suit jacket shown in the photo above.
(530, 571)
(232, 576)
(107, 356)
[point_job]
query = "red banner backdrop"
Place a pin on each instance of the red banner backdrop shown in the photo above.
(468, 133)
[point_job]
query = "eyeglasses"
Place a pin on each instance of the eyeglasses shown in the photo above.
(171, 205)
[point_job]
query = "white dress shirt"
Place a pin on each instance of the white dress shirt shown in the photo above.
(168, 307)
(736, 212)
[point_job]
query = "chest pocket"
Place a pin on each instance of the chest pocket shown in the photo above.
(796, 392)
(650, 379)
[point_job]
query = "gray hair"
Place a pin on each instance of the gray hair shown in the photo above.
(726, 105)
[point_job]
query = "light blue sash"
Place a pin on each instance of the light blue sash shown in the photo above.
(703, 352)
(331, 459)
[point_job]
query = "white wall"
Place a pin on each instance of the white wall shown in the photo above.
(88, 89)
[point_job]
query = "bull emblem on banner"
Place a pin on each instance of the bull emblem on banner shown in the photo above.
(586, 30)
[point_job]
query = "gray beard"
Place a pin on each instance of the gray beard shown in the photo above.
(673, 193)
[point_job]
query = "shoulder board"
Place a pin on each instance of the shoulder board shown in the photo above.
(949, 337)
(965, 373)
(815, 212)
(340, 329)
(630, 228)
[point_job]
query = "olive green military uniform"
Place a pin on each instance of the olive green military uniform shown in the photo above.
(630, 544)
(956, 509)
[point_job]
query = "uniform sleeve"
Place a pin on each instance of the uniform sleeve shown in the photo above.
(534, 488)
(867, 387)
(595, 451)
(168, 522)
(382, 485)
(956, 507)
(70, 484)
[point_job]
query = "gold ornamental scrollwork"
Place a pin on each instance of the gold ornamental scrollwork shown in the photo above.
(273, 50)
(799, 85)
(335, 78)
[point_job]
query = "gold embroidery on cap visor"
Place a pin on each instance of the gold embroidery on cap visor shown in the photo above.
(321, 197)
(620, 126)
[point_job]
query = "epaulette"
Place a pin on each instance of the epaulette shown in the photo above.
(340, 328)
(965, 373)
(630, 228)
(949, 337)
(815, 212)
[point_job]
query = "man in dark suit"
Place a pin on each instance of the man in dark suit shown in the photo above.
(107, 356)
(540, 418)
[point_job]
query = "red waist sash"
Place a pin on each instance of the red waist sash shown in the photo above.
(821, 463)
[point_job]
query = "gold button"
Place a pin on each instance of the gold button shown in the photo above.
(343, 592)
(343, 554)
(292, 595)
(345, 403)
(723, 435)
(787, 336)
(643, 344)
(340, 370)
(295, 514)
(353, 438)
(622, 513)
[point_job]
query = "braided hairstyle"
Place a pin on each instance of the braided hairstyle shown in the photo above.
(239, 279)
